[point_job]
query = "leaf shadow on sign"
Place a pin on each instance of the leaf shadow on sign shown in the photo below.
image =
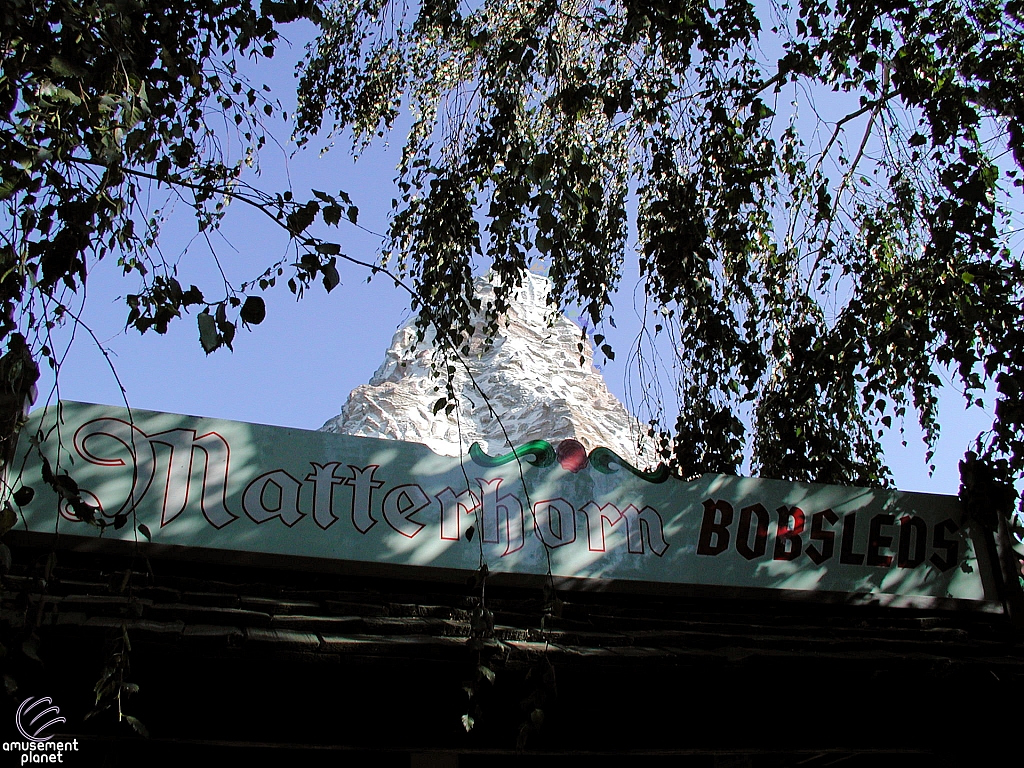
(267, 490)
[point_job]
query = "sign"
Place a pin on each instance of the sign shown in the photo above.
(222, 485)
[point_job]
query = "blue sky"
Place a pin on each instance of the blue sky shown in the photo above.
(297, 368)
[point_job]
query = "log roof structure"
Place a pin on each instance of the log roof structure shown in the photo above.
(353, 668)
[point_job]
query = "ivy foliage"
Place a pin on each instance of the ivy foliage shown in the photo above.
(823, 197)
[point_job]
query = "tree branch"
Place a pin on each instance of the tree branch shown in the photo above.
(260, 205)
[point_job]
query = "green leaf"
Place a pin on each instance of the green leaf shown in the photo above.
(468, 722)
(138, 726)
(522, 737)
(8, 518)
(824, 205)
(542, 165)
(331, 277)
(65, 68)
(192, 296)
(332, 215)
(300, 219)
(63, 94)
(254, 311)
(64, 485)
(31, 649)
(208, 335)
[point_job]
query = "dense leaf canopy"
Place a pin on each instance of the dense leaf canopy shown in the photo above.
(820, 197)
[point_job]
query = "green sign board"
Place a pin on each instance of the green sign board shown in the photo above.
(272, 491)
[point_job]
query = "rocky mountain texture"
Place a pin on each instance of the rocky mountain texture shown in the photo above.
(527, 385)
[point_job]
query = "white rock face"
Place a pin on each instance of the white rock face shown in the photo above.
(531, 376)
